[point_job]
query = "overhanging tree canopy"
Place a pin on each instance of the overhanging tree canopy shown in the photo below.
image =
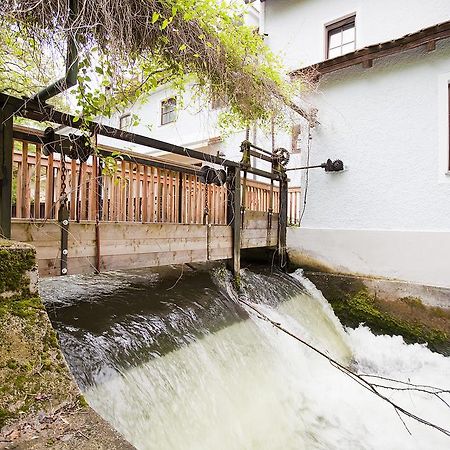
(135, 45)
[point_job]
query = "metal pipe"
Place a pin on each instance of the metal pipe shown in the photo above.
(261, 156)
(23, 136)
(70, 78)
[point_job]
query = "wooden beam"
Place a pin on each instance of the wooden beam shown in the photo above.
(6, 155)
(282, 224)
(234, 216)
(431, 46)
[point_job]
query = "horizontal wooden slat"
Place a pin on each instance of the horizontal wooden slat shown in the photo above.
(152, 259)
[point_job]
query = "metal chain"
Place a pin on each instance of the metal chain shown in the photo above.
(206, 210)
(63, 196)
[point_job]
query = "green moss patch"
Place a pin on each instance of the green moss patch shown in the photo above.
(409, 317)
(33, 373)
(15, 263)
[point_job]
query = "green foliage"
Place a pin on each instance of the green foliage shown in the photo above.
(25, 67)
(123, 58)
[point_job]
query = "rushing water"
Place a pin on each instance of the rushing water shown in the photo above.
(179, 363)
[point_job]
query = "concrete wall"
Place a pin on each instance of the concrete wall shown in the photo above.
(415, 256)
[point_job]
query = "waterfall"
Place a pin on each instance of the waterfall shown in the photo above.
(181, 363)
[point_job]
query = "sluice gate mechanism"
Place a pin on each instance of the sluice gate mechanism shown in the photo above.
(89, 208)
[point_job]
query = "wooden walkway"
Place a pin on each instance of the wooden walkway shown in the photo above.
(119, 210)
(149, 216)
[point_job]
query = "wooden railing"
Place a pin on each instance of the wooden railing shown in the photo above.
(132, 193)
(294, 205)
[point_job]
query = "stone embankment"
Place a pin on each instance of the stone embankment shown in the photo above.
(41, 406)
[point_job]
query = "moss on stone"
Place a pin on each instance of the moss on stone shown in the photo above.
(15, 263)
(31, 377)
(409, 317)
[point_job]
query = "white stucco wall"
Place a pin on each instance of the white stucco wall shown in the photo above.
(296, 28)
(388, 214)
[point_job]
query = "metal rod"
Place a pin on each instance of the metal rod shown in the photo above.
(261, 149)
(28, 137)
(319, 166)
(282, 224)
(263, 157)
(35, 111)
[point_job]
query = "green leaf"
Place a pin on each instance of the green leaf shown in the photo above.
(155, 17)
(164, 24)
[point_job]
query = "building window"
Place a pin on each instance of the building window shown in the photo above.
(168, 110)
(125, 122)
(218, 101)
(296, 139)
(341, 37)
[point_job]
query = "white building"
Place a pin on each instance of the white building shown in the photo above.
(383, 108)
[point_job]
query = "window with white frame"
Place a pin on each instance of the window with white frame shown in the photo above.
(168, 111)
(341, 37)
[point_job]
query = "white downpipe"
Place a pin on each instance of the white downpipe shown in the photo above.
(262, 17)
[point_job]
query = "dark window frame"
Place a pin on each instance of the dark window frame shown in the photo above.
(122, 125)
(340, 24)
(168, 115)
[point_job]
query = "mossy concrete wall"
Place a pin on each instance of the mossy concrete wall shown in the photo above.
(40, 404)
(386, 307)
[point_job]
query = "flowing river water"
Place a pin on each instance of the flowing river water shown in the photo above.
(178, 362)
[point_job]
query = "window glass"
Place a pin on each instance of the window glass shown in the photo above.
(341, 37)
(334, 52)
(125, 122)
(347, 48)
(168, 111)
(335, 38)
(348, 35)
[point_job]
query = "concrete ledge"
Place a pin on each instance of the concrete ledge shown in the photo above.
(420, 257)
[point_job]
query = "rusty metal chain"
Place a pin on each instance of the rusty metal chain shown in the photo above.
(63, 196)
(206, 210)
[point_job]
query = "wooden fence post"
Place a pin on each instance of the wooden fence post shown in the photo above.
(6, 156)
(234, 216)
(282, 221)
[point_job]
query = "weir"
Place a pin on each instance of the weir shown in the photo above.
(90, 208)
(182, 363)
